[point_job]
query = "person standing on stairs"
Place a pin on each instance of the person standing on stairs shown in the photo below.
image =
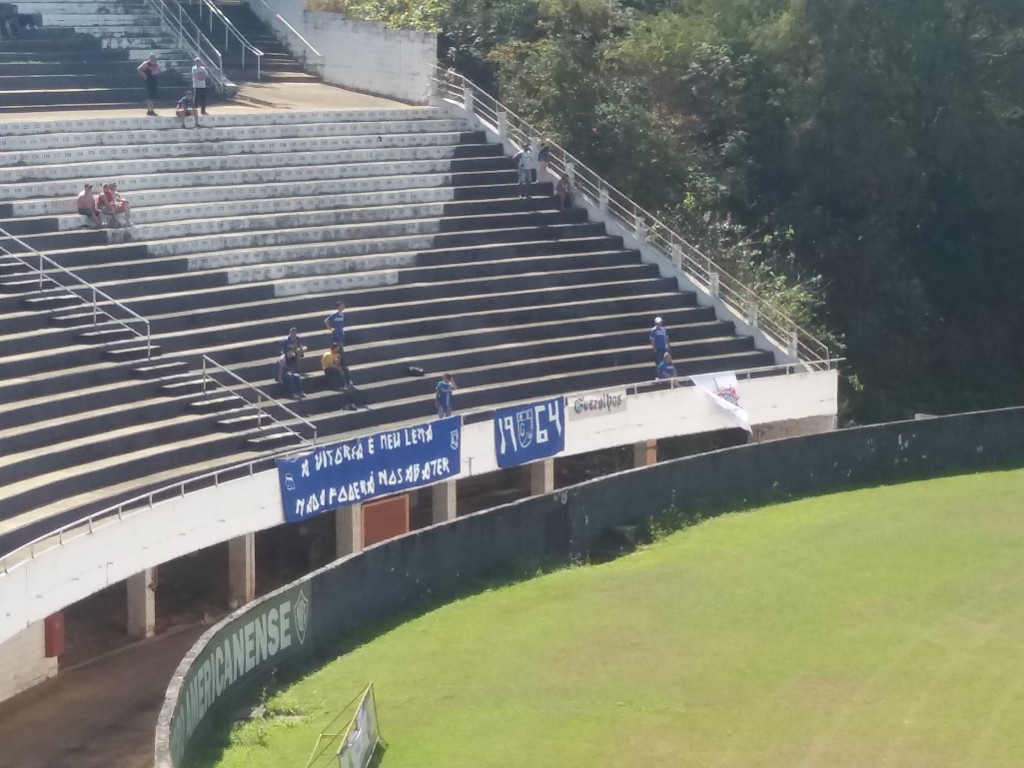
(335, 323)
(199, 74)
(524, 161)
(150, 71)
(659, 341)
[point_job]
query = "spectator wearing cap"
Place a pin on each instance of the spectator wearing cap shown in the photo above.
(659, 341)
(199, 75)
(186, 108)
(86, 203)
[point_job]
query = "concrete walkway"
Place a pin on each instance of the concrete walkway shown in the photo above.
(252, 97)
(100, 715)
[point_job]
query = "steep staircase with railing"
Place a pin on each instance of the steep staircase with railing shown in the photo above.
(251, 50)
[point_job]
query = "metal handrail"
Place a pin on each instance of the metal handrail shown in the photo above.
(292, 29)
(144, 501)
(96, 293)
(190, 38)
(740, 298)
(229, 27)
(261, 398)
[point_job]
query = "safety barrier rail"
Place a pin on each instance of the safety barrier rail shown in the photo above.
(742, 300)
(230, 30)
(45, 268)
(190, 38)
(263, 402)
(310, 48)
(142, 502)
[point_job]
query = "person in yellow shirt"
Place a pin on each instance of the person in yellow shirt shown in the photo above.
(334, 368)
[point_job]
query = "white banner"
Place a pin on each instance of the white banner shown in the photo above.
(723, 389)
(595, 404)
(362, 736)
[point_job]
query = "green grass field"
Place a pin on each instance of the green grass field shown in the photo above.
(876, 628)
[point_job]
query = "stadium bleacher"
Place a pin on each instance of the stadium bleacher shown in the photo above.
(257, 222)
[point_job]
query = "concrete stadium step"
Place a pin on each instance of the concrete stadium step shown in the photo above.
(96, 419)
(463, 172)
(265, 333)
(204, 148)
(93, 447)
(150, 201)
(30, 81)
(352, 218)
(489, 158)
(124, 130)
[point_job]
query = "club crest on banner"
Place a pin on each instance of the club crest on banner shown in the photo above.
(524, 428)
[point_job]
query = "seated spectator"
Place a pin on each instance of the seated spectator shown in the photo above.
(9, 26)
(288, 376)
(665, 368)
(186, 108)
(107, 204)
(293, 341)
(331, 363)
(121, 205)
(86, 203)
(563, 191)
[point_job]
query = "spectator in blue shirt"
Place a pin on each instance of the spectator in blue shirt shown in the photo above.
(665, 368)
(287, 374)
(443, 395)
(659, 340)
(335, 323)
(292, 341)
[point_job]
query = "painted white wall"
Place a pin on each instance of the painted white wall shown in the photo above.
(22, 663)
(364, 56)
(57, 577)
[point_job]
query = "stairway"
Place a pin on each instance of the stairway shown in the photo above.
(258, 222)
(277, 64)
(85, 57)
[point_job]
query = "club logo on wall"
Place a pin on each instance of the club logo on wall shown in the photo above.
(301, 612)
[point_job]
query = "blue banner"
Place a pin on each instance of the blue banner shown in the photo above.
(366, 467)
(526, 433)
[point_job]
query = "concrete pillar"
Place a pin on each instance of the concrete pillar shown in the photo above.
(645, 453)
(348, 529)
(542, 477)
(444, 499)
(142, 604)
(241, 570)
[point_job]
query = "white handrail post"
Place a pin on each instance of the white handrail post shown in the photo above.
(502, 123)
(677, 255)
(259, 68)
(752, 315)
(467, 97)
(714, 284)
(95, 309)
(149, 341)
(40, 272)
(204, 374)
(259, 411)
(602, 198)
(794, 344)
(570, 171)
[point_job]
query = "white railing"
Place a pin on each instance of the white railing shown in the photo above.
(190, 38)
(146, 501)
(45, 268)
(739, 298)
(310, 48)
(230, 31)
(261, 401)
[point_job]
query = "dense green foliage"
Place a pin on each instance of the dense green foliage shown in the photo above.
(867, 153)
(879, 627)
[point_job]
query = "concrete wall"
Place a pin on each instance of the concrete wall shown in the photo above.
(86, 563)
(436, 562)
(23, 663)
(363, 56)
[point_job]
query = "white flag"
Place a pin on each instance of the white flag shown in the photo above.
(722, 388)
